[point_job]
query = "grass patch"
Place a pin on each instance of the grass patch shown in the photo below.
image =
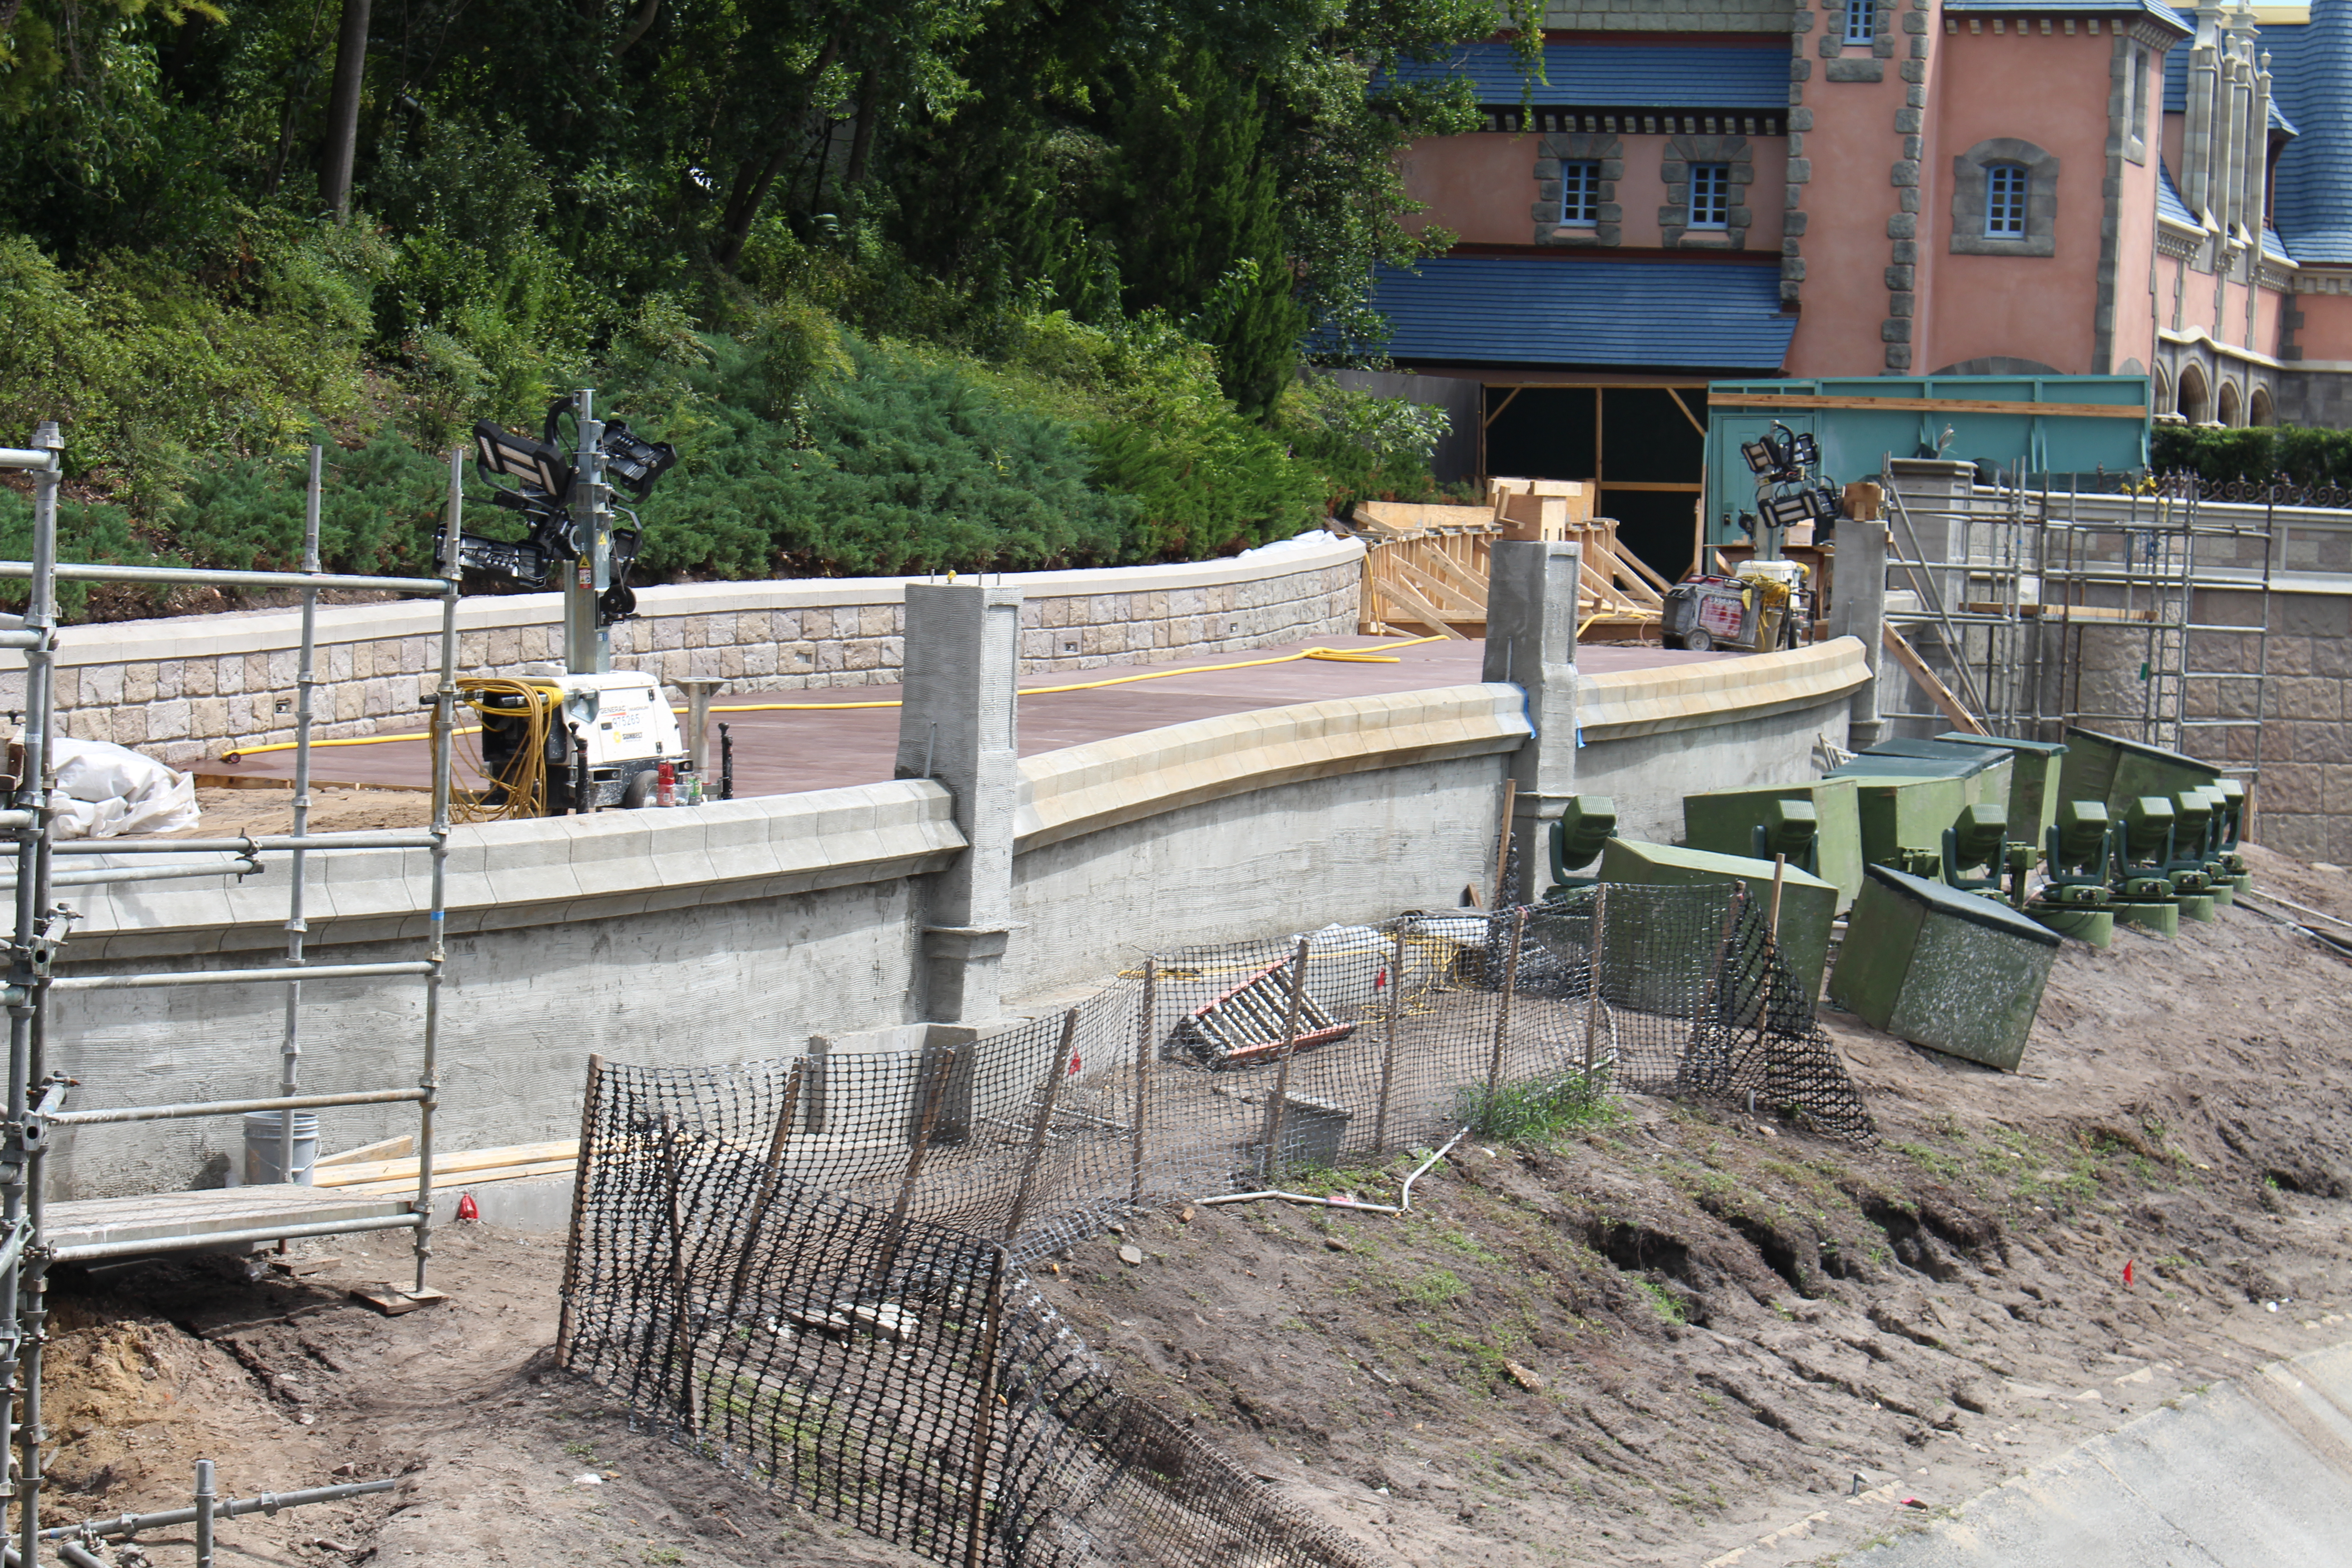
(1437, 1289)
(1539, 1112)
(1669, 1305)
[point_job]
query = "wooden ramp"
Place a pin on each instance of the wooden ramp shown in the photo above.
(93, 1228)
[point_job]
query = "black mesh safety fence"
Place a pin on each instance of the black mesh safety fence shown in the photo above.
(810, 1269)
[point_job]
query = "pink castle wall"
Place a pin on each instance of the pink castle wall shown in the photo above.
(2327, 330)
(2050, 91)
(1483, 187)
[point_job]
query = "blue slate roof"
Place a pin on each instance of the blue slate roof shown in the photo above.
(2282, 39)
(2148, 8)
(1632, 76)
(1540, 310)
(2168, 199)
(2311, 73)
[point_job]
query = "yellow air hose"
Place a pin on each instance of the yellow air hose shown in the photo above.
(1377, 654)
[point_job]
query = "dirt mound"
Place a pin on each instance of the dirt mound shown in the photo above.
(1666, 1337)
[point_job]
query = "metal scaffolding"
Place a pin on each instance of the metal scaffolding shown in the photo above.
(2040, 605)
(37, 1233)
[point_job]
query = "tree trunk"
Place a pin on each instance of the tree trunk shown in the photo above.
(753, 178)
(638, 28)
(343, 109)
(861, 140)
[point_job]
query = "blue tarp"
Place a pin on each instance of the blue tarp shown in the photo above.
(1567, 311)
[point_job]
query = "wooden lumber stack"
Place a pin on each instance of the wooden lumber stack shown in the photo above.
(452, 1169)
(1426, 567)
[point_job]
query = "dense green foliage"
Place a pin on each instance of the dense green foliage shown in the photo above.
(2259, 452)
(950, 284)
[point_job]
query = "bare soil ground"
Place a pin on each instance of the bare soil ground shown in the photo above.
(1680, 1335)
(232, 813)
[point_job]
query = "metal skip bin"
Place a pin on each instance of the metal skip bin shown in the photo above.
(1724, 822)
(1956, 971)
(2034, 785)
(1808, 904)
(2116, 771)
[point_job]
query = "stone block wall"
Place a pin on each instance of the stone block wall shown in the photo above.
(191, 688)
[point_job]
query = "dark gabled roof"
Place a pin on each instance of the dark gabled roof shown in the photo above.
(1629, 76)
(2311, 75)
(1566, 311)
(2168, 199)
(2283, 40)
(2149, 8)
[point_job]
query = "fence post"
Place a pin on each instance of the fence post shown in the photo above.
(1388, 1046)
(1592, 1003)
(1503, 1012)
(567, 1315)
(1047, 1094)
(681, 1339)
(771, 1178)
(1145, 1049)
(983, 1421)
(931, 1088)
(1282, 1073)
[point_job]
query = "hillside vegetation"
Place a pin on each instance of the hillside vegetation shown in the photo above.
(947, 284)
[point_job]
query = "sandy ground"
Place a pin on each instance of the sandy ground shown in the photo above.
(233, 813)
(1665, 1338)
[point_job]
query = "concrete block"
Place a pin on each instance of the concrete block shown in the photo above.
(2307, 698)
(168, 721)
(138, 683)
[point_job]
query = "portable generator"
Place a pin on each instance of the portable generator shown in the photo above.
(554, 743)
(1755, 612)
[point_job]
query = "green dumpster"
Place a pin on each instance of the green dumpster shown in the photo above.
(1956, 971)
(2036, 769)
(1903, 817)
(1808, 904)
(1724, 822)
(2116, 771)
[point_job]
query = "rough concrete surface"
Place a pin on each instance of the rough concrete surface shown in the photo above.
(2253, 1474)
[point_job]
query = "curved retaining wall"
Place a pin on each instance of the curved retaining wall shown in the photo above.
(190, 686)
(737, 930)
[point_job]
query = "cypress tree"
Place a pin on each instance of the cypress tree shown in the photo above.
(1204, 230)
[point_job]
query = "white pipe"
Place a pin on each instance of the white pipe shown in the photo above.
(1405, 1196)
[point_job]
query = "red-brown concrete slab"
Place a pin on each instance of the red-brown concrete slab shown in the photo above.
(818, 739)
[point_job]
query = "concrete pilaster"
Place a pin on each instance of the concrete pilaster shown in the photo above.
(1531, 644)
(957, 726)
(1860, 612)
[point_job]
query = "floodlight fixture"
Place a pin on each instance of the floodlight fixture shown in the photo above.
(632, 463)
(1789, 510)
(539, 465)
(1762, 459)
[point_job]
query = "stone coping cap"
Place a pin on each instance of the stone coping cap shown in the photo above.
(272, 631)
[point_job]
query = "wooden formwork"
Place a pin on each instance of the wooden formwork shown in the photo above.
(1426, 570)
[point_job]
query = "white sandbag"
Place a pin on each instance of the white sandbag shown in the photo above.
(109, 790)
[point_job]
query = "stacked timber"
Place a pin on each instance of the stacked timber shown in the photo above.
(380, 1169)
(1426, 567)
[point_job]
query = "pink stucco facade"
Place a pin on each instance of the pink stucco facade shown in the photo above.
(1484, 187)
(1873, 190)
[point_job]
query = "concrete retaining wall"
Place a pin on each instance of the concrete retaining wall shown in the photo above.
(191, 686)
(737, 930)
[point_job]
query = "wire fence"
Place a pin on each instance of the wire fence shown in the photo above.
(810, 1267)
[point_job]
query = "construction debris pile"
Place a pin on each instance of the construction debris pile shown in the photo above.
(810, 1268)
